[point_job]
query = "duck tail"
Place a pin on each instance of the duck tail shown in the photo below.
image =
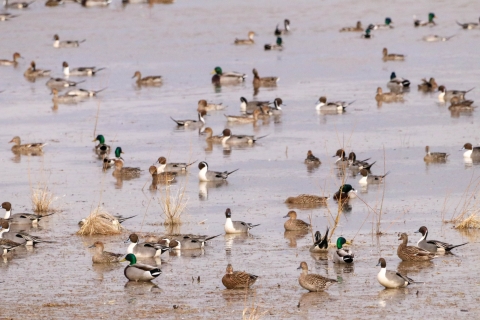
(123, 219)
(46, 215)
(470, 90)
(80, 82)
(99, 69)
(188, 165)
(385, 174)
(349, 103)
(460, 24)
(229, 173)
(453, 247)
(175, 121)
(448, 38)
(97, 91)
(369, 166)
(348, 259)
(258, 138)
(82, 41)
(210, 238)
(254, 225)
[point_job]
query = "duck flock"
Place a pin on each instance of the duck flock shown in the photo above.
(252, 112)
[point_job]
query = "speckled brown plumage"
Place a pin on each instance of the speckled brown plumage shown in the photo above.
(307, 199)
(313, 282)
(294, 224)
(237, 279)
(101, 256)
(410, 253)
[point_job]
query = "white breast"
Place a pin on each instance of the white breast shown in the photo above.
(363, 180)
(467, 154)
(202, 174)
(130, 247)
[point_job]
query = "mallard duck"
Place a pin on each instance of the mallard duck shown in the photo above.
(192, 123)
(313, 282)
(387, 25)
(64, 99)
(139, 271)
(237, 279)
(14, 62)
(469, 25)
(146, 81)
(448, 95)
(101, 147)
(61, 83)
(220, 77)
(232, 227)
(17, 5)
(66, 43)
(430, 22)
(21, 218)
(434, 246)
(355, 164)
(337, 106)
(28, 147)
(286, 24)
(125, 172)
(81, 71)
(342, 255)
(357, 28)
(367, 34)
(190, 243)
(307, 199)
(460, 105)
(471, 152)
(410, 253)
(294, 224)
(311, 159)
(429, 85)
(435, 38)
(370, 179)
(345, 192)
(245, 118)
(392, 56)
(101, 256)
(278, 45)
(203, 105)
(251, 34)
(110, 162)
(320, 244)
(434, 156)
(205, 175)
(388, 96)
(265, 81)
(33, 72)
(391, 279)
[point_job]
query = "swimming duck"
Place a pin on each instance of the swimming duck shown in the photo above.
(265, 81)
(279, 32)
(139, 271)
(161, 177)
(83, 92)
(391, 279)
(28, 147)
(367, 34)
(370, 179)
(7, 237)
(33, 72)
(341, 161)
(30, 240)
(338, 106)
(94, 3)
(245, 118)
(192, 123)
(435, 38)
(115, 220)
(392, 56)
(236, 226)
(387, 25)
(101, 146)
(460, 105)
(313, 282)
(220, 77)
(16, 5)
(66, 43)
(430, 22)
(278, 45)
(14, 62)
(388, 96)
(21, 218)
(146, 81)
(125, 172)
(434, 245)
(345, 192)
(64, 98)
(173, 166)
(238, 279)
(110, 162)
(342, 255)
(210, 137)
(251, 34)
(160, 170)
(469, 25)
(434, 156)
(307, 199)
(205, 175)
(6, 248)
(357, 28)
(355, 164)
(59, 83)
(203, 105)
(320, 244)
(230, 138)
(54, 3)
(311, 159)
(144, 249)
(5, 16)
(294, 224)
(429, 85)
(410, 253)
(249, 106)
(82, 71)
(190, 243)
(471, 152)
(101, 256)
(448, 95)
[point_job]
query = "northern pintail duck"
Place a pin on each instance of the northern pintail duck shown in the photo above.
(430, 22)
(16, 5)
(173, 166)
(5, 249)
(246, 118)
(189, 243)
(286, 25)
(192, 123)
(391, 279)
(436, 38)
(448, 95)
(429, 85)
(206, 175)
(54, 3)
(275, 110)
(83, 92)
(149, 80)
(65, 43)
(210, 137)
(236, 226)
(311, 159)
(338, 106)
(139, 271)
(307, 200)
(250, 40)
(94, 3)
(81, 71)
(14, 62)
(369, 178)
(410, 253)
(33, 72)
(114, 220)
(125, 172)
(320, 244)
(392, 56)
(460, 105)
(64, 98)
(471, 152)
(21, 218)
(434, 156)
(27, 147)
(101, 147)
(220, 77)
(434, 245)
(110, 162)
(357, 28)
(144, 249)
(249, 106)
(230, 138)
(313, 282)
(28, 239)
(388, 96)
(162, 173)
(355, 164)
(101, 256)
(345, 192)
(61, 83)
(5, 16)
(341, 161)
(342, 255)
(264, 81)
(294, 224)
(469, 25)
(203, 105)
(238, 279)
(278, 45)
(387, 25)
(8, 238)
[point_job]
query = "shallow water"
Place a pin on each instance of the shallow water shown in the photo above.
(182, 42)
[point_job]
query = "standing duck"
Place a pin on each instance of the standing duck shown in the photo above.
(342, 255)
(278, 45)
(238, 279)
(434, 246)
(139, 271)
(313, 282)
(410, 253)
(232, 77)
(294, 224)
(391, 279)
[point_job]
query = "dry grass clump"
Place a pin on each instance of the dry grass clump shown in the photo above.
(100, 222)
(173, 204)
(42, 199)
(467, 213)
(252, 313)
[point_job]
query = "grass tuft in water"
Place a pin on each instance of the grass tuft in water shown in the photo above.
(173, 204)
(42, 199)
(100, 222)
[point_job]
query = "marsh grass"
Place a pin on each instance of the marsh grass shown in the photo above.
(467, 212)
(42, 199)
(252, 313)
(100, 222)
(173, 204)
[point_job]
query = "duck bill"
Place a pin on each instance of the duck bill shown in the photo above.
(92, 246)
(286, 216)
(123, 260)
(213, 72)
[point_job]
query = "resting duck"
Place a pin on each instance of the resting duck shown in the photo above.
(220, 77)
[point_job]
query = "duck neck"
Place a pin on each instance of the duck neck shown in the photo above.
(66, 71)
(131, 246)
(202, 174)
(7, 214)
(161, 168)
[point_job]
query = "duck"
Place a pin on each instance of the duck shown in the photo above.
(21, 218)
(250, 40)
(30, 240)
(5, 249)
(434, 246)
(342, 255)
(410, 253)
(173, 166)
(65, 43)
(82, 71)
(83, 92)
(307, 199)
(448, 95)
(205, 175)
(313, 282)
(125, 172)
(429, 85)
(210, 137)
(286, 24)
(246, 118)
(5, 16)
(146, 81)
(278, 45)
(469, 25)
(110, 162)
(237, 279)
(59, 83)
(268, 110)
(392, 56)
(94, 3)
(192, 123)
(294, 224)
(471, 152)
(370, 179)
(341, 161)
(220, 77)
(229, 138)
(139, 271)
(113, 220)
(434, 156)
(54, 3)
(232, 227)
(161, 177)
(190, 243)
(249, 106)
(7, 237)
(144, 249)
(64, 98)
(430, 22)
(387, 25)
(13, 62)
(160, 170)
(203, 105)
(367, 34)
(101, 256)
(355, 164)
(436, 38)
(345, 192)
(33, 72)
(357, 28)
(101, 147)
(388, 96)
(320, 244)
(311, 159)
(17, 5)
(265, 81)
(460, 105)
(391, 279)
(338, 106)
(27, 147)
